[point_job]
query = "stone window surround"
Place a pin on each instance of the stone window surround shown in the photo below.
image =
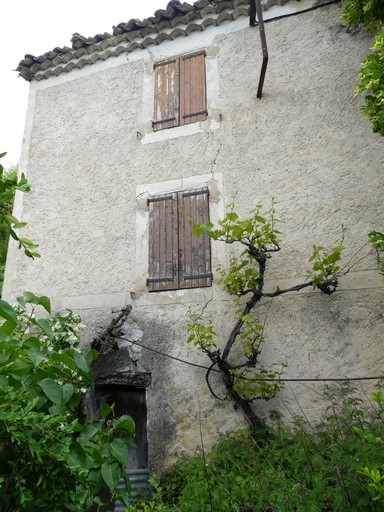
(180, 90)
(177, 259)
(214, 182)
(213, 121)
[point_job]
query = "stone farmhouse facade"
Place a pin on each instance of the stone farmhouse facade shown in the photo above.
(126, 131)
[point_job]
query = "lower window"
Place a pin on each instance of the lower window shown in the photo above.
(177, 259)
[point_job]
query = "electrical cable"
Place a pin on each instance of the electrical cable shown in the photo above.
(308, 9)
(266, 379)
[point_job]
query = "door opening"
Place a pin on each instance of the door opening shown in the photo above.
(132, 401)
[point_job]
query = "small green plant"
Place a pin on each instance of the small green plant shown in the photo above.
(236, 357)
(326, 271)
(376, 238)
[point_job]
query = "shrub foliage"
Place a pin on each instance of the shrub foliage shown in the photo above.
(334, 465)
(370, 14)
(51, 458)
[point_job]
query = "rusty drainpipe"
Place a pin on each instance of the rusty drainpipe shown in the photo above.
(255, 10)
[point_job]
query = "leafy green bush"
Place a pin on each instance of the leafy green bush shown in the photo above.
(370, 14)
(335, 465)
(374, 475)
(51, 458)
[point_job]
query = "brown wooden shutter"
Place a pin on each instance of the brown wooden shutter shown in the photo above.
(194, 252)
(193, 96)
(163, 243)
(166, 114)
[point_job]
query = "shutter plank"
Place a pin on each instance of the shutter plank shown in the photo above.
(166, 107)
(153, 250)
(195, 269)
(163, 243)
(185, 248)
(199, 256)
(194, 252)
(185, 91)
(203, 89)
(171, 242)
(195, 89)
(203, 264)
(161, 267)
(193, 108)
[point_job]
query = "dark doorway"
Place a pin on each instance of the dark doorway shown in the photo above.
(129, 401)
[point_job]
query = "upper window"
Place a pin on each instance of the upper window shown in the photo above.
(180, 91)
(177, 259)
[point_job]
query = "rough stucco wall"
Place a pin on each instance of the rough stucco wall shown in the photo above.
(305, 144)
(73, 152)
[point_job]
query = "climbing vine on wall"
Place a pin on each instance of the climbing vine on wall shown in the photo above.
(237, 357)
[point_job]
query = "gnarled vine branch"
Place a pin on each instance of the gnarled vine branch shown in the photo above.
(243, 375)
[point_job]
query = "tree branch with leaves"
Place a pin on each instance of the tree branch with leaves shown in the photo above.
(237, 359)
(9, 183)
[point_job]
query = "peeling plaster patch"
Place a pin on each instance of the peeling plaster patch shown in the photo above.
(214, 125)
(132, 334)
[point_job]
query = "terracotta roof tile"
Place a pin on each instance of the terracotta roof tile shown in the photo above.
(177, 19)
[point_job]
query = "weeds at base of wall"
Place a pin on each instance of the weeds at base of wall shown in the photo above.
(335, 465)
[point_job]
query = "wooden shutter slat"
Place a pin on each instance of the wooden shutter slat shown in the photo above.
(202, 266)
(195, 89)
(185, 249)
(170, 241)
(166, 108)
(163, 243)
(193, 100)
(202, 90)
(184, 91)
(194, 252)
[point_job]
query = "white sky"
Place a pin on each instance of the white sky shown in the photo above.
(37, 26)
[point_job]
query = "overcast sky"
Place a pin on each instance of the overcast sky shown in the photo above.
(37, 26)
